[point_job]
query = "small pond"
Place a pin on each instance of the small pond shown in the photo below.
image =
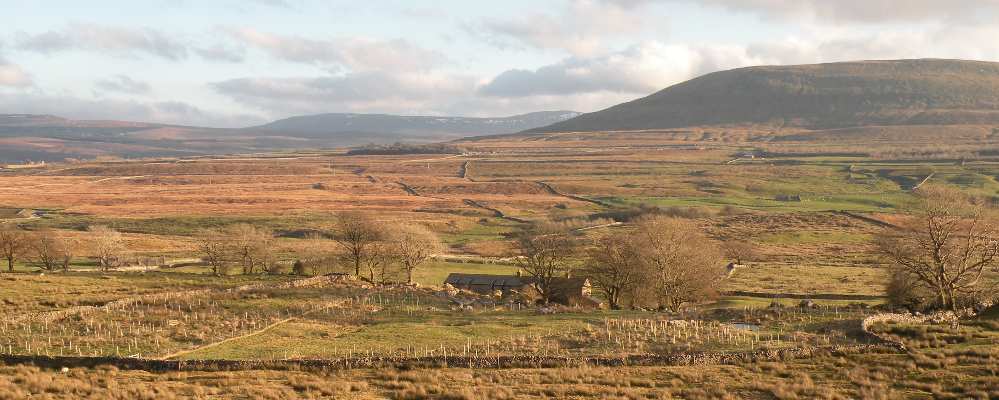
(746, 327)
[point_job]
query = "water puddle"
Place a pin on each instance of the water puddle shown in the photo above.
(746, 327)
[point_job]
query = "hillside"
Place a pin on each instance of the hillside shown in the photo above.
(442, 128)
(821, 96)
(30, 137)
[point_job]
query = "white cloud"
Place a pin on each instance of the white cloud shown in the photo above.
(175, 113)
(582, 28)
(356, 52)
(640, 69)
(864, 11)
(124, 84)
(222, 53)
(275, 3)
(13, 75)
(844, 44)
(127, 42)
(359, 91)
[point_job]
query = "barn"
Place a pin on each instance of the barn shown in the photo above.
(567, 291)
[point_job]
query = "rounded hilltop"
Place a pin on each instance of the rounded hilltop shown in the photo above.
(819, 96)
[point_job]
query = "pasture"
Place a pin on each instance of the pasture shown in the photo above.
(810, 217)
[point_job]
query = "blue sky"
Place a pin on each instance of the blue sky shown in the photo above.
(241, 63)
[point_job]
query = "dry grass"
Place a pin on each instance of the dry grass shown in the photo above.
(944, 374)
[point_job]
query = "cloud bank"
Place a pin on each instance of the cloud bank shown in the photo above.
(165, 112)
(355, 52)
(124, 42)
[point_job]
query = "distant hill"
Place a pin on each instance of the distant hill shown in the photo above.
(438, 128)
(50, 138)
(820, 96)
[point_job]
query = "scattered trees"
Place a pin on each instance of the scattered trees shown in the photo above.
(251, 247)
(109, 246)
(613, 265)
(317, 256)
(214, 247)
(666, 263)
(739, 251)
(244, 245)
(679, 263)
(360, 243)
(412, 245)
(939, 257)
(544, 251)
(49, 251)
(13, 244)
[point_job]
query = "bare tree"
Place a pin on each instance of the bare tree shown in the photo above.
(13, 244)
(109, 246)
(317, 255)
(739, 251)
(613, 265)
(360, 243)
(944, 251)
(252, 247)
(412, 245)
(679, 263)
(545, 251)
(49, 251)
(215, 249)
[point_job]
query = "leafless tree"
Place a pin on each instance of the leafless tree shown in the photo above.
(943, 253)
(215, 249)
(412, 245)
(612, 265)
(679, 263)
(50, 251)
(317, 255)
(252, 247)
(360, 243)
(109, 246)
(545, 251)
(739, 251)
(13, 244)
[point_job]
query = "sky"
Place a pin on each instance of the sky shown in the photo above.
(229, 63)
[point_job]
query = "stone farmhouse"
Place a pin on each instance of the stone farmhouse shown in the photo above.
(567, 291)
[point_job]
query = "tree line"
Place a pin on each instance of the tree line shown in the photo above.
(944, 255)
(48, 250)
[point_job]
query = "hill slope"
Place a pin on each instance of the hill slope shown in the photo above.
(823, 96)
(438, 127)
(50, 138)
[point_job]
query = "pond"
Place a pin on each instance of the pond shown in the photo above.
(747, 327)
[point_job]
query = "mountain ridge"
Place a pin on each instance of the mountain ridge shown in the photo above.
(414, 125)
(819, 96)
(49, 138)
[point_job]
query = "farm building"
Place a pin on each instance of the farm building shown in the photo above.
(568, 291)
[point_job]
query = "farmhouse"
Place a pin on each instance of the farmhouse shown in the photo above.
(568, 291)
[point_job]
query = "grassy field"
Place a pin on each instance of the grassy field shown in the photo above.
(806, 249)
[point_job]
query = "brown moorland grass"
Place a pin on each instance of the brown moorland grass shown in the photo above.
(943, 374)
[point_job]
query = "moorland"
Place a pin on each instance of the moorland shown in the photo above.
(789, 323)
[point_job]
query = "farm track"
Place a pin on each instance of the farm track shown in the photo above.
(803, 296)
(257, 332)
(922, 182)
(464, 172)
(596, 227)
